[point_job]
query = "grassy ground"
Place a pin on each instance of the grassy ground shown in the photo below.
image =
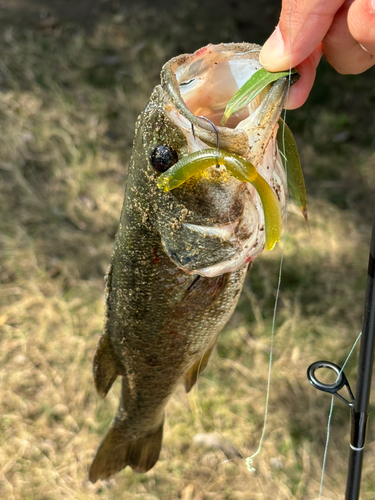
(72, 82)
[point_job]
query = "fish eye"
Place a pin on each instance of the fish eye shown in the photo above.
(163, 157)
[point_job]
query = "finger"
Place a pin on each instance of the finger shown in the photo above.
(361, 23)
(299, 92)
(302, 26)
(342, 51)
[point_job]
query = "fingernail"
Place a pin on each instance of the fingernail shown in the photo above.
(273, 49)
(373, 4)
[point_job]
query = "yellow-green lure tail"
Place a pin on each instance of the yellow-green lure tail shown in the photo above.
(241, 169)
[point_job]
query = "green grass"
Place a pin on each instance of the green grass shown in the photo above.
(67, 117)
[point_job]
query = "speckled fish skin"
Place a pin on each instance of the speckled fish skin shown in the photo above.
(163, 319)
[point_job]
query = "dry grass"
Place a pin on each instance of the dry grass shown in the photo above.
(66, 125)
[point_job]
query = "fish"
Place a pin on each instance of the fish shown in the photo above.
(181, 255)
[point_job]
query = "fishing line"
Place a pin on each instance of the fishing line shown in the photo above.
(326, 446)
(249, 460)
(330, 417)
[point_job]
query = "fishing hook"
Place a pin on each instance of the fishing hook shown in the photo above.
(213, 126)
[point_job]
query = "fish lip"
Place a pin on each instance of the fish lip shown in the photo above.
(234, 140)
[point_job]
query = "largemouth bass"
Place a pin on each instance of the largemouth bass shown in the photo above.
(181, 255)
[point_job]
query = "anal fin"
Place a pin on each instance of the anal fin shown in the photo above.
(104, 366)
(191, 375)
(116, 451)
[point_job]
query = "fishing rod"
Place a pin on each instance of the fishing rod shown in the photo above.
(359, 403)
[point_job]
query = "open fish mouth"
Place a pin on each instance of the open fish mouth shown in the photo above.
(210, 81)
(200, 85)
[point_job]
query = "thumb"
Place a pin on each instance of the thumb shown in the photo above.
(302, 26)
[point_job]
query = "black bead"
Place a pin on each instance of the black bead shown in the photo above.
(163, 157)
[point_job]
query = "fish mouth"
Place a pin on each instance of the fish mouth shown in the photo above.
(201, 85)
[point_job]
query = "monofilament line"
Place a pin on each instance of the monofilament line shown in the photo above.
(330, 417)
(249, 460)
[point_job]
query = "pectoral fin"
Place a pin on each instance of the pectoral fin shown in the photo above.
(104, 366)
(191, 375)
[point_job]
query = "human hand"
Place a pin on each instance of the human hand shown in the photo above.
(343, 29)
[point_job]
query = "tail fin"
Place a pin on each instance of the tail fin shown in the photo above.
(117, 451)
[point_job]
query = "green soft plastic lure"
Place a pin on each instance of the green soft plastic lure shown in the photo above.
(254, 86)
(241, 169)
